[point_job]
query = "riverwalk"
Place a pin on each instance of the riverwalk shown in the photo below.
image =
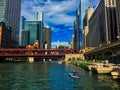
(99, 68)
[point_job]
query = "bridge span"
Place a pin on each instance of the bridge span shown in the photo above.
(37, 53)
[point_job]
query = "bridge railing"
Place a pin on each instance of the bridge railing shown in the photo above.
(34, 52)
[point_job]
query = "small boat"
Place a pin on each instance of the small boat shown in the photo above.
(73, 76)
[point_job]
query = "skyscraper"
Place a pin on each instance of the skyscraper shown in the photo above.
(118, 18)
(5, 36)
(47, 37)
(77, 30)
(103, 24)
(85, 30)
(36, 31)
(25, 38)
(80, 12)
(73, 41)
(10, 15)
(22, 26)
(40, 16)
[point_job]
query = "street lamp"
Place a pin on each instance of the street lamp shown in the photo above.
(118, 37)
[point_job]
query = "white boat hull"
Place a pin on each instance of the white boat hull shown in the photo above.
(71, 75)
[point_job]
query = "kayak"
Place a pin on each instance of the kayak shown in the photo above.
(71, 75)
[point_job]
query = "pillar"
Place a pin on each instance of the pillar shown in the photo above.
(31, 59)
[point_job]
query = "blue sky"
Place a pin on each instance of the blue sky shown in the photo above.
(59, 15)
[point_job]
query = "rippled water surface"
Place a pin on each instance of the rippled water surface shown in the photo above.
(51, 76)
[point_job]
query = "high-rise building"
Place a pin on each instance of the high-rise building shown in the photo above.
(40, 16)
(25, 38)
(84, 4)
(69, 44)
(22, 27)
(85, 31)
(47, 37)
(10, 15)
(75, 33)
(103, 24)
(77, 30)
(73, 41)
(36, 31)
(80, 12)
(58, 43)
(118, 18)
(35, 27)
(5, 36)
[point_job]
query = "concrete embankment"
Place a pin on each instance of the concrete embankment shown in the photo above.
(99, 68)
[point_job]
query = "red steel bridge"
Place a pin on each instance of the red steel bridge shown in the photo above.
(23, 52)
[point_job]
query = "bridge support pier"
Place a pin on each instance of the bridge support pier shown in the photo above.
(31, 59)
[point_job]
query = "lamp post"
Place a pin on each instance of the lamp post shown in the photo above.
(118, 37)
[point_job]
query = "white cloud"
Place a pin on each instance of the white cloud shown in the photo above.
(55, 12)
(60, 43)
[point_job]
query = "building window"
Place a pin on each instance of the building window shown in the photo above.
(109, 2)
(113, 2)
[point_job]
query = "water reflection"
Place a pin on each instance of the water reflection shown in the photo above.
(51, 76)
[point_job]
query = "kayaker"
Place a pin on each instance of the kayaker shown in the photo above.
(74, 73)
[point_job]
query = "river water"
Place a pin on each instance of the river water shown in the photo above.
(51, 76)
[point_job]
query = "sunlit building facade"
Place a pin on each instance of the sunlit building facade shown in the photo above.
(85, 30)
(80, 12)
(10, 15)
(83, 6)
(103, 24)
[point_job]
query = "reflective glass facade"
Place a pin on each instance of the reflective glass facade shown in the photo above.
(25, 38)
(80, 12)
(22, 26)
(2, 9)
(36, 31)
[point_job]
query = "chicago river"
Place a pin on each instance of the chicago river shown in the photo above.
(51, 76)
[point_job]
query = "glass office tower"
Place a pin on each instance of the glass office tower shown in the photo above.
(80, 12)
(22, 26)
(25, 38)
(36, 31)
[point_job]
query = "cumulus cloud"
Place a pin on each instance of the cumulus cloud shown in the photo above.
(58, 14)
(55, 11)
